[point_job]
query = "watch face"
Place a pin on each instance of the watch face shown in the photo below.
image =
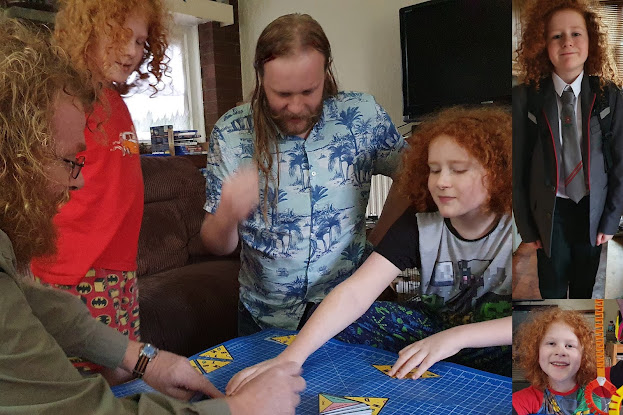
(149, 350)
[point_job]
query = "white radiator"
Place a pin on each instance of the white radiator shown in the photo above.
(378, 194)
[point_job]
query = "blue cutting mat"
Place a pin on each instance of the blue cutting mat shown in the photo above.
(341, 369)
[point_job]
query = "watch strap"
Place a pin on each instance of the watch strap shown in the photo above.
(143, 360)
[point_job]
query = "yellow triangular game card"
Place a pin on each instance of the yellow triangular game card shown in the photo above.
(385, 369)
(219, 352)
(284, 339)
(376, 404)
(323, 402)
(212, 365)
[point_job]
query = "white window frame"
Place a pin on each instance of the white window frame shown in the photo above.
(192, 72)
(185, 28)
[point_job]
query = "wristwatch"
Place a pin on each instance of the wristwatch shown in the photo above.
(147, 353)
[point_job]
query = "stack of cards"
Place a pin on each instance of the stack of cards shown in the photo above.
(335, 405)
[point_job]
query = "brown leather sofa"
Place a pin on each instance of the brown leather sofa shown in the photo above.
(188, 298)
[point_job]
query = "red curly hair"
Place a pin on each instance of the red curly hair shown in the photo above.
(527, 340)
(532, 52)
(80, 23)
(485, 133)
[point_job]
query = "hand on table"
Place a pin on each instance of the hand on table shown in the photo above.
(248, 374)
(602, 238)
(274, 391)
(174, 376)
(424, 353)
(240, 194)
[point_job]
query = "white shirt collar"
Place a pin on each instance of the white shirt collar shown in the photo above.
(560, 85)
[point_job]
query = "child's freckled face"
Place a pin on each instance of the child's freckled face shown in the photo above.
(560, 356)
(567, 43)
(117, 62)
(456, 180)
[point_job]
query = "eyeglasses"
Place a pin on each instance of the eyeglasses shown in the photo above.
(76, 166)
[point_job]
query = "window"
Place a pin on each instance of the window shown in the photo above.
(180, 102)
(611, 12)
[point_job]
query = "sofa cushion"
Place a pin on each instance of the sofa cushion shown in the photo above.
(173, 212)
(168, 178)
(163, 239)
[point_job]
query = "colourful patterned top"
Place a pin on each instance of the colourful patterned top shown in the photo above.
(315, 234)
(531, 401)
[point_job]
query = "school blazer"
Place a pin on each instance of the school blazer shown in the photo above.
(536, 161)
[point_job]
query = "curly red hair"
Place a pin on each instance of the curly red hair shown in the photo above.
(485, 133)
(80, 23)
(532, 51)
(527, 340)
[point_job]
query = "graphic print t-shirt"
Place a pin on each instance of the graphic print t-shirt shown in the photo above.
(100, 224)
(459, 277)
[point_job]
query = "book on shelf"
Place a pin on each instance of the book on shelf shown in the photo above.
(166, 140)
(183, 149)
(186, 135)
(195, 137)
(187, 142)
(185, 132)
(162, 139)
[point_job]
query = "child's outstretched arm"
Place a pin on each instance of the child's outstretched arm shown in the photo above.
(424, 353)
(347, 302)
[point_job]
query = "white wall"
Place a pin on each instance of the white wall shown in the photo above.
(364, 36)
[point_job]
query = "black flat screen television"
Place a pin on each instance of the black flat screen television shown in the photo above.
(455, 52)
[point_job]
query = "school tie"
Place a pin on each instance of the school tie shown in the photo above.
(571, 156)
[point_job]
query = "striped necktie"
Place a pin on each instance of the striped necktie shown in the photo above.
(571, 156)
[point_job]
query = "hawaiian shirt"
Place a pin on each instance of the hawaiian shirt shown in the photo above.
(314, 236)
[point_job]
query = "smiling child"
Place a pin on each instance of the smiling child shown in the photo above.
(556, 350)
(567, 146)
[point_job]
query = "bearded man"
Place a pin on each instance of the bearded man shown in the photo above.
(42, 119)
(289, 177)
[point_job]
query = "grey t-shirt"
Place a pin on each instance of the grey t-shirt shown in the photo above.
(457, 275)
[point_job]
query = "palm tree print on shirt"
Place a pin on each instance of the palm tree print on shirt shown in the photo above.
(313, 236)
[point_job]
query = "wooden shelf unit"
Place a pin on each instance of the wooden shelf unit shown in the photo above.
(612, 349)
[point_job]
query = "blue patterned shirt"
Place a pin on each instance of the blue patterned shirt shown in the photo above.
(315, 234)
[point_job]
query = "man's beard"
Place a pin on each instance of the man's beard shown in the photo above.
(36, 236)
(310, 119)
(48, 244)
(62, 199)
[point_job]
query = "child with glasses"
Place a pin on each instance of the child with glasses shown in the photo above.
(118, 43)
